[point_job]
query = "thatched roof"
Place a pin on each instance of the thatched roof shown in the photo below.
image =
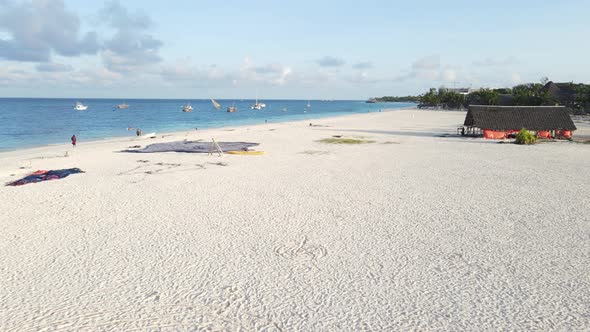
(517, 117)
(560, 90)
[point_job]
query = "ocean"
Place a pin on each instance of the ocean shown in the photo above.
(31, 122)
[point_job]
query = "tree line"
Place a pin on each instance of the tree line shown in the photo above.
(575, 96)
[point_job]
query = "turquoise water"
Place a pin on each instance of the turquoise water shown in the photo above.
(26, 122)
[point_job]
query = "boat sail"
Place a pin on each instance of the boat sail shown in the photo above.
(257, 105)
(215, 104)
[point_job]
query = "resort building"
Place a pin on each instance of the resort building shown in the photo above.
(461, 91)
(561, 93)
(497, 122)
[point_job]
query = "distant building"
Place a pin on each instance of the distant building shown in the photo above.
(561, 93)
(505, 99)
(497, 122)
(461, 91)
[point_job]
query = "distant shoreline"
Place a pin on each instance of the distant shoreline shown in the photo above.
(177, 132)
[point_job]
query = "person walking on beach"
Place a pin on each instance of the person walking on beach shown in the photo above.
(138, 132)
(73, 140)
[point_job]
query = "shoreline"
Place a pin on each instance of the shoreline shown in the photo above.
(178, 132)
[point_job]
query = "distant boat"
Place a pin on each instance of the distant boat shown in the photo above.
(307, 107)
(257, 105)
(150, 135)
(80, 107)
(232, 108)
(122, 106)
(284, 109)
(215, 104)
(187, 108)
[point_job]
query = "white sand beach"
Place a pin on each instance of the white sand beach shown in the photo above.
(420, 230)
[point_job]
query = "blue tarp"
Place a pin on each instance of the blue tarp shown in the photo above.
(193, 147)
(40, 175)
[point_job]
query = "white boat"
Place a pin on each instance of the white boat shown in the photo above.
(215, 104)
(80, 107)
(187, 108)
(308, 104)
(257, 105)
(232, 108)
(122, 106)
(150, 135)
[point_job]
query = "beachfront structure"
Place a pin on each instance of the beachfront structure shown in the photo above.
(461, 91)
(497, 122)
(562, 93)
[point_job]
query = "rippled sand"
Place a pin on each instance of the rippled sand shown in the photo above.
(420, 230)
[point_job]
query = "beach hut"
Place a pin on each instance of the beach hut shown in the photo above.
(497, 122)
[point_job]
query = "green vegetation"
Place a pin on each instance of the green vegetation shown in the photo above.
(345, 141)
(575, 96)
(484, 97)
(531, 94)
(525, 137)
(404, 99)
(582, 98)
(314, 152)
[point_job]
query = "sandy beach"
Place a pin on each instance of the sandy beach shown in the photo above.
(419, 230)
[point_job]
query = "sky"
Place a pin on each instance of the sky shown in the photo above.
(285, 49)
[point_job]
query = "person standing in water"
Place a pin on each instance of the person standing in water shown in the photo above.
(73, 140)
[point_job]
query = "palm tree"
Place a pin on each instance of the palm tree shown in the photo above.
(484, 97)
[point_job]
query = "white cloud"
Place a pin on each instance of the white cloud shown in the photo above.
(131, 46)
(54, 67)
(33, 30)
(424, 68)
(274, 73)
(363, 65)
(184, 71)
(515, 78)
(449, 75)
(330, 61)
(431, 62)
(489, 62)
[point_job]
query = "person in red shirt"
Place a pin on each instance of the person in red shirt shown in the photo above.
(74, 140)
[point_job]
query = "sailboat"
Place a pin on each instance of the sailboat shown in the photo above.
(257, 105)
(122, 106)
(232, 108)
(307, 107)
(187, 108)
(215, 104)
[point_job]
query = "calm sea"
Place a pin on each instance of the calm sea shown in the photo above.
(26, 122)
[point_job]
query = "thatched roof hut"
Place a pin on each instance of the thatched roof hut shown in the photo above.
(563, 93)
(502, 118)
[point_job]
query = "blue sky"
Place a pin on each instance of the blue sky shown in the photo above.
(285, 49)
